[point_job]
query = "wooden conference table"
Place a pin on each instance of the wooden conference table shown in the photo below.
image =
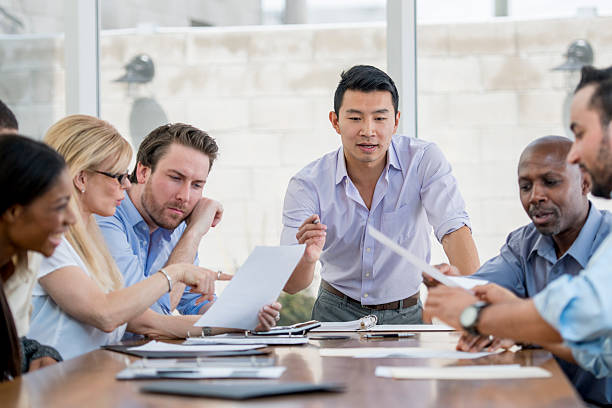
(89, 381)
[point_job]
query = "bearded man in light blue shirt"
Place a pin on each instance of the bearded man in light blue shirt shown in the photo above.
(575, 310)
(164, 216)
(398, 184)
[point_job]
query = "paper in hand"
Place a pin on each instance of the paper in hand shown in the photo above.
(257, 283)
(413, 259)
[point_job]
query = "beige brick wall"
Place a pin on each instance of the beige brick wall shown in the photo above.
(485, 91)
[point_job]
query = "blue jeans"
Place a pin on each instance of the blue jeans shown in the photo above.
(331, 308)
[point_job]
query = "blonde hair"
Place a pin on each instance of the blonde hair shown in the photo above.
(86, 142)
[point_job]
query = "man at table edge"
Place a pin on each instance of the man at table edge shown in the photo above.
(572, 310)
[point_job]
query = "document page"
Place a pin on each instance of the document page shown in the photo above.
(161, 346)
(476, 372)
(200, 372)
(399, 352)
(265, 340)
(257, 283)
(411, 328)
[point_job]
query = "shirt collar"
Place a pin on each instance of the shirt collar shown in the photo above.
(136, 221)
(581, 249)
(131, 212)
(392, 161)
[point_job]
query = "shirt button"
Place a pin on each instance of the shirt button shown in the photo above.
(367, 275)
(365, 295)
(367, 249)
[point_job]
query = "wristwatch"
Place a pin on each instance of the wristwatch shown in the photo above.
(470, 315)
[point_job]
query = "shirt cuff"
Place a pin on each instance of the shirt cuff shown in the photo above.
(451, 226)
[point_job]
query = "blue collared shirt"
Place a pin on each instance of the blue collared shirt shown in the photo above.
(415, 192)
(139, 254)
(580, 308)
(527, 264)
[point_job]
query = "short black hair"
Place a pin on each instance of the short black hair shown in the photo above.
(7, 118)
(365, 78)
(601, 100)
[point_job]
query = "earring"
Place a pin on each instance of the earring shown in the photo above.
(82, 190)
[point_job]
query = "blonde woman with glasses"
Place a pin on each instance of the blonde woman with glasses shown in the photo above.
(80, 302)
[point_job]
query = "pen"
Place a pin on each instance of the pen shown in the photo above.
(316, 221)
(388, 335)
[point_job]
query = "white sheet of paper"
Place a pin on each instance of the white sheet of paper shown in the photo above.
(257, 283)
(399, 352)
(411, 328)
(478, 372)
(202, 372)
(265, 340)
(161, 346)
(413, 259)
(350, 326)
(467, 283)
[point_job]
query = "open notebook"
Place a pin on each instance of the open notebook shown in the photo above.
(364, 323)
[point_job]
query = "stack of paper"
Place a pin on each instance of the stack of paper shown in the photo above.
(360, 324)
(264, 340)
(160, 346)
(200, 372)
(477, 372)
(399, 352)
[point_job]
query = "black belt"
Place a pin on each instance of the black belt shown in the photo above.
(398, 304)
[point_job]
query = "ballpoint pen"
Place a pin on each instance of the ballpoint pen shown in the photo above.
(388, 335)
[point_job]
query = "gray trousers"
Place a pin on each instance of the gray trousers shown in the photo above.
(331, 308)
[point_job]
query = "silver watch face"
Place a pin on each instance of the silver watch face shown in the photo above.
(468, 316)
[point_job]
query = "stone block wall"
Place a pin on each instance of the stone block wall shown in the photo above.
(485, 91)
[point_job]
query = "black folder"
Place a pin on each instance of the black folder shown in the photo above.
(120, 348)
(237, 391)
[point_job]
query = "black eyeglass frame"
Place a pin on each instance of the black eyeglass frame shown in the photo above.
(119, 177)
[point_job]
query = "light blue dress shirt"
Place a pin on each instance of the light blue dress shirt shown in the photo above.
(528, 263)
(415, 192)
(580, 308)
(140, 254)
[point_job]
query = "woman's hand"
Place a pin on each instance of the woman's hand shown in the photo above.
(201, 280)
(268, 316)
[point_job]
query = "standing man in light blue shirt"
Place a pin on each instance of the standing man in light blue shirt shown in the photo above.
(400, 185)
(164, 216)
(574, 310)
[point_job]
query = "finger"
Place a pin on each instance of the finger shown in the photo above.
(481, 343)
(310, 220)
(495, 344)
(267, 320)
(225, 276)
(311, 233)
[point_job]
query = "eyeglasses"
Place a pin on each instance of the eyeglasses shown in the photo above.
(121, 178)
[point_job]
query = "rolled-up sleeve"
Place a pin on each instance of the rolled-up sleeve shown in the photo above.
(300, 203)
(440, 194)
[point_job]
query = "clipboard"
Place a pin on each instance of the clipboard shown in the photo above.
(237, 391)
(125, 349)
(298, 329)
